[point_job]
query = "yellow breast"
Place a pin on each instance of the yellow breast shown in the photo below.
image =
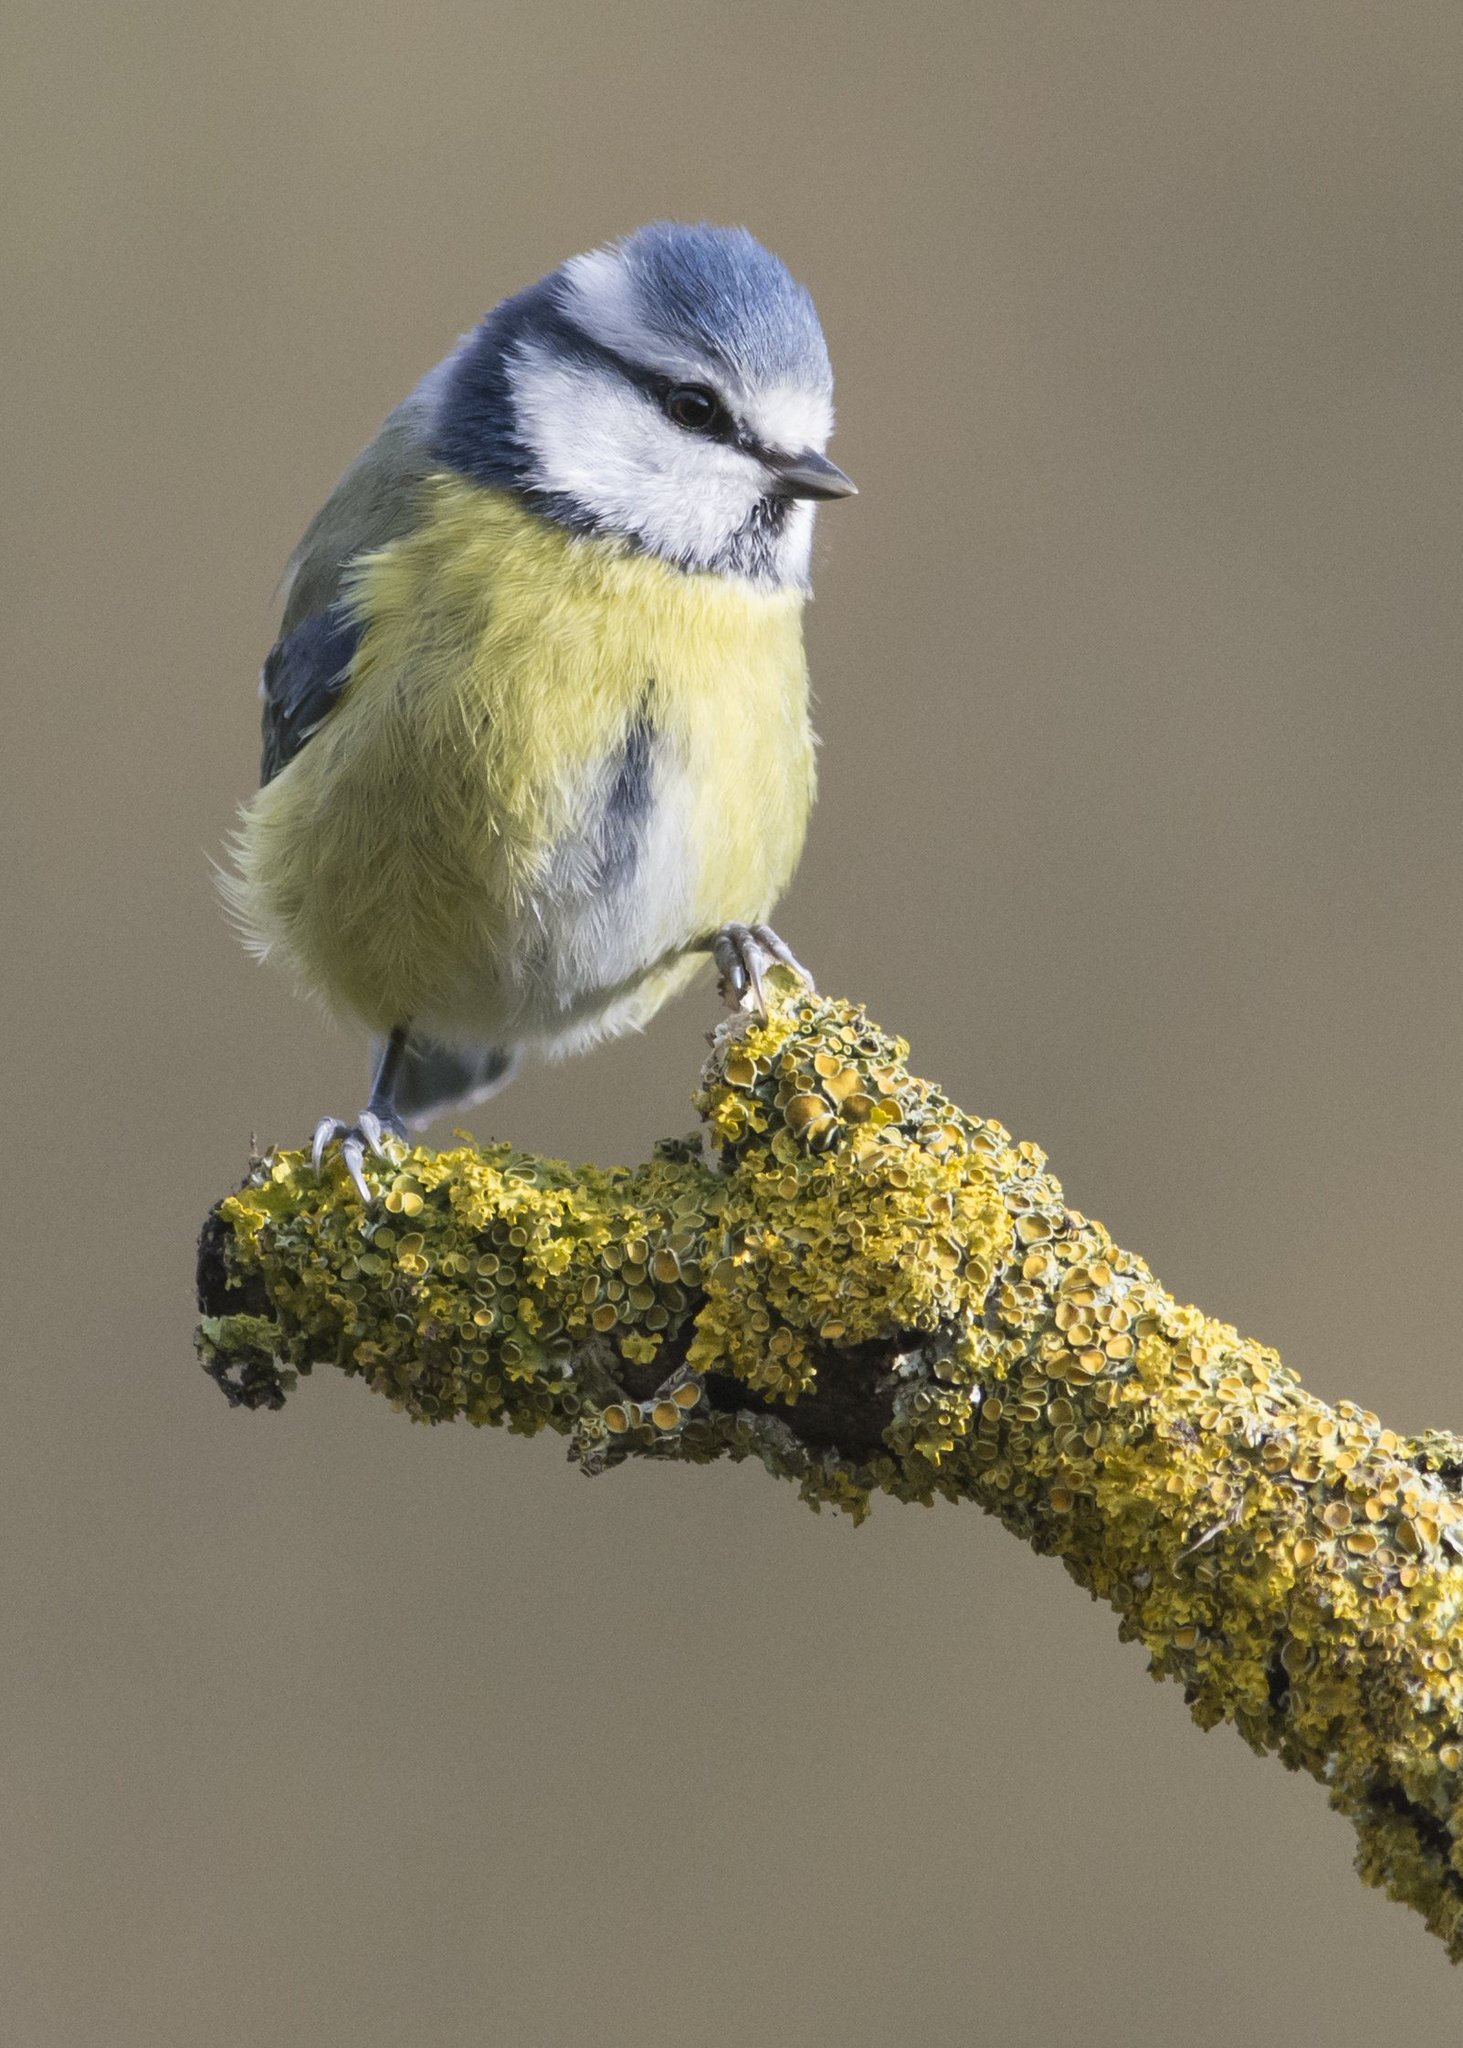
(432, 852)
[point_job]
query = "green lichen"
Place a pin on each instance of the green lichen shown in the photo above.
(842, 1234)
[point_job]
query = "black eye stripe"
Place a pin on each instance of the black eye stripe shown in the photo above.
(574, 339)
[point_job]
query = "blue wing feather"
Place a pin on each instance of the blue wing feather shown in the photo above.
(304, 676)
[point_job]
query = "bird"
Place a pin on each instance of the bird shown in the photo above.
(536, 728)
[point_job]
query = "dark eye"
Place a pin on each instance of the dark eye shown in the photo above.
(692, 406)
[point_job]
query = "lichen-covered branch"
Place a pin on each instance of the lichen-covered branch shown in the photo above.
(845, 1276)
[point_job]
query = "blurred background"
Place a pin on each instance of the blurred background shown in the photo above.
(1137, 666)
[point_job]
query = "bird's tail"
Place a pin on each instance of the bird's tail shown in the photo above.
(434, 1078)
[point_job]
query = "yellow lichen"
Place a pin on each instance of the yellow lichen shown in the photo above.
(857, 1203)
(1296, 1566)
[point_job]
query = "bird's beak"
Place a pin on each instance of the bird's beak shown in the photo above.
(810, 475)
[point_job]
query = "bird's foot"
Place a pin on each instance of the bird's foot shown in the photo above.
(743, 953)
(373, 1131)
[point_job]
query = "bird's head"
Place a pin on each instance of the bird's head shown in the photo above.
(673, 389)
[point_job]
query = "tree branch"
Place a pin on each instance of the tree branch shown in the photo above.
(845, 1276)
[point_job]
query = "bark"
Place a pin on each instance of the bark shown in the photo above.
(872, 1292)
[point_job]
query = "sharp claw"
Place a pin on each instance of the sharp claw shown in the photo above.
(742, 952)
(371, 1130)
(353, 1158)
(376, 1130)
(780, 950)
(329, 1127)
(730, 968)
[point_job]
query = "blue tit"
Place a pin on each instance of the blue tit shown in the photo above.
(536, 728)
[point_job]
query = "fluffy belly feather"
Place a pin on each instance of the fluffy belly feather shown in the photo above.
(557, 765)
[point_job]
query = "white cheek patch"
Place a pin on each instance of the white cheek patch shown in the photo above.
(795, 549)
(790, 418)
(600, 442)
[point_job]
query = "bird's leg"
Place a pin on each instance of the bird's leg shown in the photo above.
(377, 1122)
(743, 953)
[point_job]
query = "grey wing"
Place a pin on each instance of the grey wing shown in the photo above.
(375, 502)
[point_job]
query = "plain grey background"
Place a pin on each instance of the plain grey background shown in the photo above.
(1137, 674)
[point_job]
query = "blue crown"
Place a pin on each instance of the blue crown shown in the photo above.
(719, 293)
